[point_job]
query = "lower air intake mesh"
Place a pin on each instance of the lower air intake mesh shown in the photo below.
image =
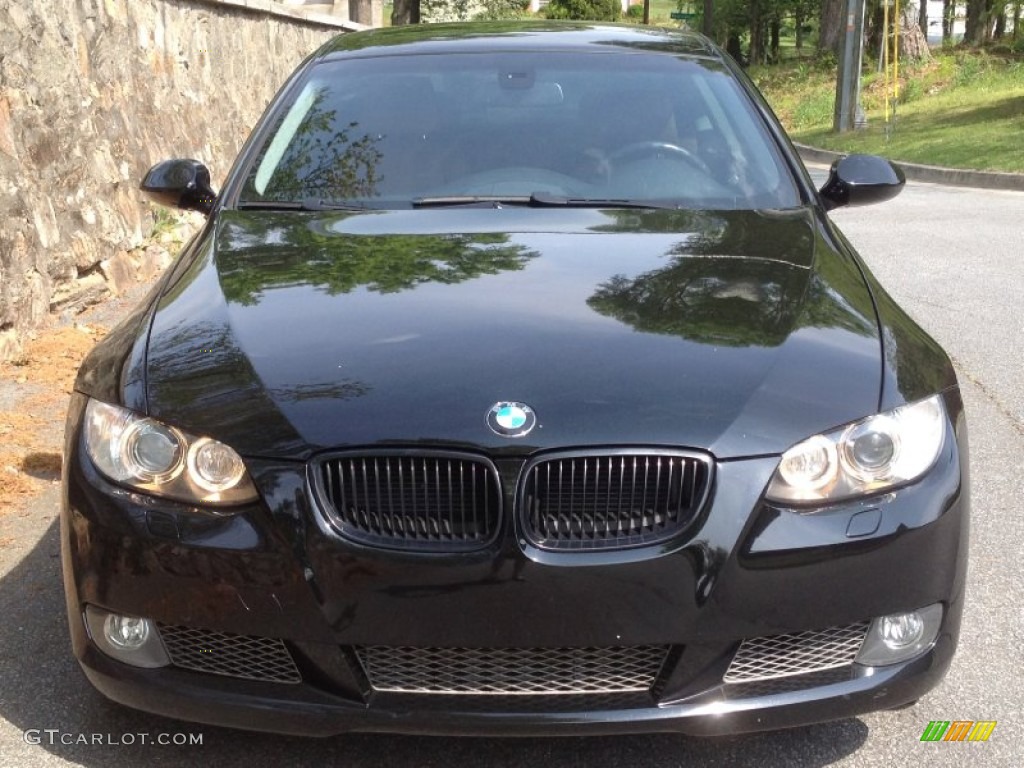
(221, 653)
(512, 671)
(767, 658)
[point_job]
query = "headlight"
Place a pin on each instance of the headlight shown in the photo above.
(871, 455)
(150, 456)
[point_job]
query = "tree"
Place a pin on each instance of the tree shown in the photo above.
(593, 10)
(980, 17)
(405, 12)
(728, 23)
(416, 11)
(831, 29)
(913, 37)
(948, 16)
(756, 53)
(802, 11)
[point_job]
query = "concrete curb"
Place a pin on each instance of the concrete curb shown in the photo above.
(931, 174)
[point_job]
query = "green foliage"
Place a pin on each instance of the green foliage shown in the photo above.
(502, 10)
(635, 12)
(163, 221)
(730, 17)
(969, 67)
(584, 10)
(444, 10)
(826, 61)
(463, 10)
(912, 91)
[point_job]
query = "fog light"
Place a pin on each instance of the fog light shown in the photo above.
(900, 630)
(130, 639)
(900, 636)
(126, 632)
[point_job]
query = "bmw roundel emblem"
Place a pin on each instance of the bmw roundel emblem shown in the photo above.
(511, 419)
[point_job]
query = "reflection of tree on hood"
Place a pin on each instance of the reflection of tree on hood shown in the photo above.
(736, 279)
(734, 302)
(277, 256)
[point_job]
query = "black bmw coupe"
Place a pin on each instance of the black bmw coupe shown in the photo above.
(518, 383)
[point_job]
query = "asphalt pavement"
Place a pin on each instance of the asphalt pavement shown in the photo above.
(949, 256)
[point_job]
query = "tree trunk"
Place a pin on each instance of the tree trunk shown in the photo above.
(913, 41)
(874, 33)
(732, 47)
(922, 17)
(756, 52)
(976, 24)
(798, 18)
(405, 12)
(1000, 32)
(948, 15)
(773, 44)
(833, 28)
(1016, 18)
(708, 27)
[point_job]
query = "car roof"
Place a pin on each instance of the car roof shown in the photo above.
(484, 37)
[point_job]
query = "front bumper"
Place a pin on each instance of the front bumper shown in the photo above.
(745, 570)
(307, 710)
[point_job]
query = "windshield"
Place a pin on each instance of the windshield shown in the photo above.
(398, 131)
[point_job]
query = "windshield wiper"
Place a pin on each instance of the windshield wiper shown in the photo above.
(537, 200)
(300, 205)
(481, 201)
(544, 200)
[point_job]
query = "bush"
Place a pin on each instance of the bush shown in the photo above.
(635, 12)
(504, 10)
(584, 10)
(911, 91)
(969, 67)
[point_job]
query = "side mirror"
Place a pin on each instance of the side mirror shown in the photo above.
(180, 184)
(862, 180)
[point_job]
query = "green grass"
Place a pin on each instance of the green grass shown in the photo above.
(661, 10)
(963, 110)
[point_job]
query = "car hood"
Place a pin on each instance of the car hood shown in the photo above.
(739, 333)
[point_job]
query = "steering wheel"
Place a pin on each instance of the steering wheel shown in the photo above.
(643, 148)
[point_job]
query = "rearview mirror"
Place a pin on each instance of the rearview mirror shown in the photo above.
(862, 180)
(180, 184)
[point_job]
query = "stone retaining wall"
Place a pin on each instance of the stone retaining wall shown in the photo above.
(93, 92)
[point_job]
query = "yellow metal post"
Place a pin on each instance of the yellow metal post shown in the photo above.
(896, 54)
(885, 57)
